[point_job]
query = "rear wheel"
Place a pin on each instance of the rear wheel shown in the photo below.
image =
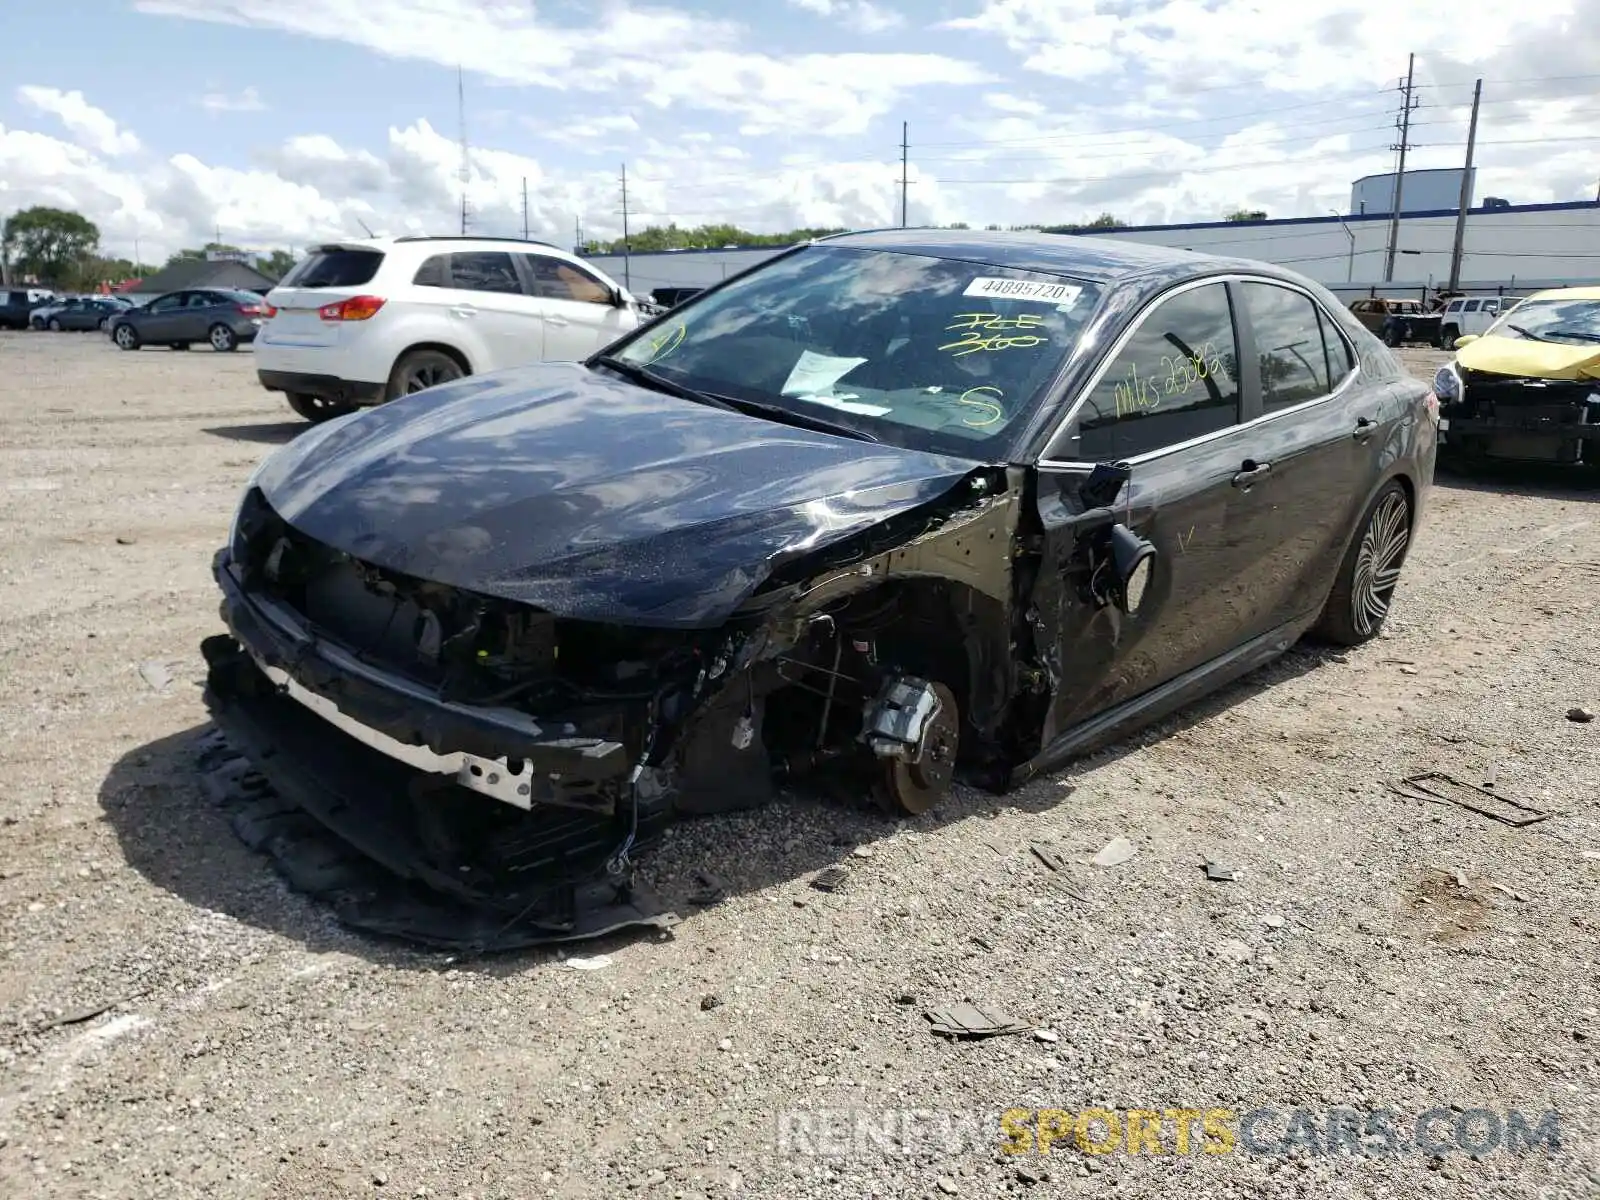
(222, 338)
(1359, 603)
(317, 409)
(126, 337)
(55, 325)
(1449, 336)
(422, 369)
(102, 323)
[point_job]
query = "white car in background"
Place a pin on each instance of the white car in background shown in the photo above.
(360, 322)
(1472, 314)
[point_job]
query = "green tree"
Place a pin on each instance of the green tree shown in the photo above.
(1107, 221)
(277, 264)
(1246, 214)
(700, 237)
(48, 243)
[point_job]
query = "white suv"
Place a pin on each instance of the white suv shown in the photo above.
(357, 323)
(1472, 315)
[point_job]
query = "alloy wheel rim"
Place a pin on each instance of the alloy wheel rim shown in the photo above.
(1378, 561)
(124, 335)
(423, 377)
(219, 338)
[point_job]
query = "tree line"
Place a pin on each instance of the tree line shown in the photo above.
(61, 249)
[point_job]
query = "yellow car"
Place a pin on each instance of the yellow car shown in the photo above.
(1527, 389)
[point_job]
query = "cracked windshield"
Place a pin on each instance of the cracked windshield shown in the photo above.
(926, 353)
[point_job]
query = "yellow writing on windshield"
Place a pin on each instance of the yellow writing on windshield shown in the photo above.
(663, 344)
(987, 409)
(991, 331)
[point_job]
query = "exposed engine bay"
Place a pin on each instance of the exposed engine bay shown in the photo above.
(511, 762)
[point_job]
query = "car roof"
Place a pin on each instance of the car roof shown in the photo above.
(1096, 259)
(1573, 293)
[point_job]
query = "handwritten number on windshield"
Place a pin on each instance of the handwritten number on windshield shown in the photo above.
(991, 331)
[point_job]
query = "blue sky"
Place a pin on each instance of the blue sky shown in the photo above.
(283, 121)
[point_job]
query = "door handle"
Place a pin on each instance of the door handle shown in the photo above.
(551, 319)
(1251, 472)
(1365, 428)
(463, 310)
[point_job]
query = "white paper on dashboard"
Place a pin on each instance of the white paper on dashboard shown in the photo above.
(843, 404)
(816, 373)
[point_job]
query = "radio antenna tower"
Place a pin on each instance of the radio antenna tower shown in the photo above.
(465, 175)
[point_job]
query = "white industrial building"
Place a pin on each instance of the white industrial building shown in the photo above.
(1425, 191)
(1511, 248)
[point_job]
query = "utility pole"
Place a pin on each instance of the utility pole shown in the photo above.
(524, 208)
(465, 174)
(1466, 192)
(577, 235)
(905, 128)
(1404, 122)
(627, 280)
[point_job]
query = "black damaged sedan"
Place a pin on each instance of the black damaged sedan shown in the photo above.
(902, 506)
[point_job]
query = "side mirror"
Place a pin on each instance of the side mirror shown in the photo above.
(1466, 339)
(1133, 561)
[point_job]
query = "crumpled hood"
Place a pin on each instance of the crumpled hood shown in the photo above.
(1534, 359)
(587, 496)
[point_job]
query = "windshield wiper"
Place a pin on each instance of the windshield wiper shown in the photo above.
(789, 416)
(1582, 335)
(1530, 336)
(641, 374)
(644, 375)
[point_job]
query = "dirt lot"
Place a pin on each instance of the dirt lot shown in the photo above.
(175, 1023)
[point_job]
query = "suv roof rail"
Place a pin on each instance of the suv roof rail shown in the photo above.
(473, 237)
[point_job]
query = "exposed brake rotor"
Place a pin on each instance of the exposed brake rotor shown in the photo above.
(916, 786)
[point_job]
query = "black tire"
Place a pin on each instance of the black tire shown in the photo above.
(53, 325)
(126, 337)
(103, 322)
(1358, 605)
(1449, 335)
(316, 409)
(222, 339)
(420, 370)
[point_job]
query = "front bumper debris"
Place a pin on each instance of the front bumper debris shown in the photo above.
(1528, 420)
(397, 852)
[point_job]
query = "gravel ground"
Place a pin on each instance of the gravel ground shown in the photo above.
(174, 1023)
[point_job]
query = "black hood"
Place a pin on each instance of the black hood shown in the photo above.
(576, 492)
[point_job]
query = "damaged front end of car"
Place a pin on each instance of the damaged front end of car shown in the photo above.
(463, 769)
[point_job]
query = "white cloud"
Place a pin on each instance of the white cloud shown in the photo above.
(674, 59)
(1165, 118)
(93, 127)
(859, 16)
(248, 100)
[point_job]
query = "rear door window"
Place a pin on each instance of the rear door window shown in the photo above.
(169, 303)
(1175, 379)
(334, 267)
(1471, 306)
(485, 271)
(1289, 345)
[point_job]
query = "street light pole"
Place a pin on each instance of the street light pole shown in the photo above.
(1350, 259)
